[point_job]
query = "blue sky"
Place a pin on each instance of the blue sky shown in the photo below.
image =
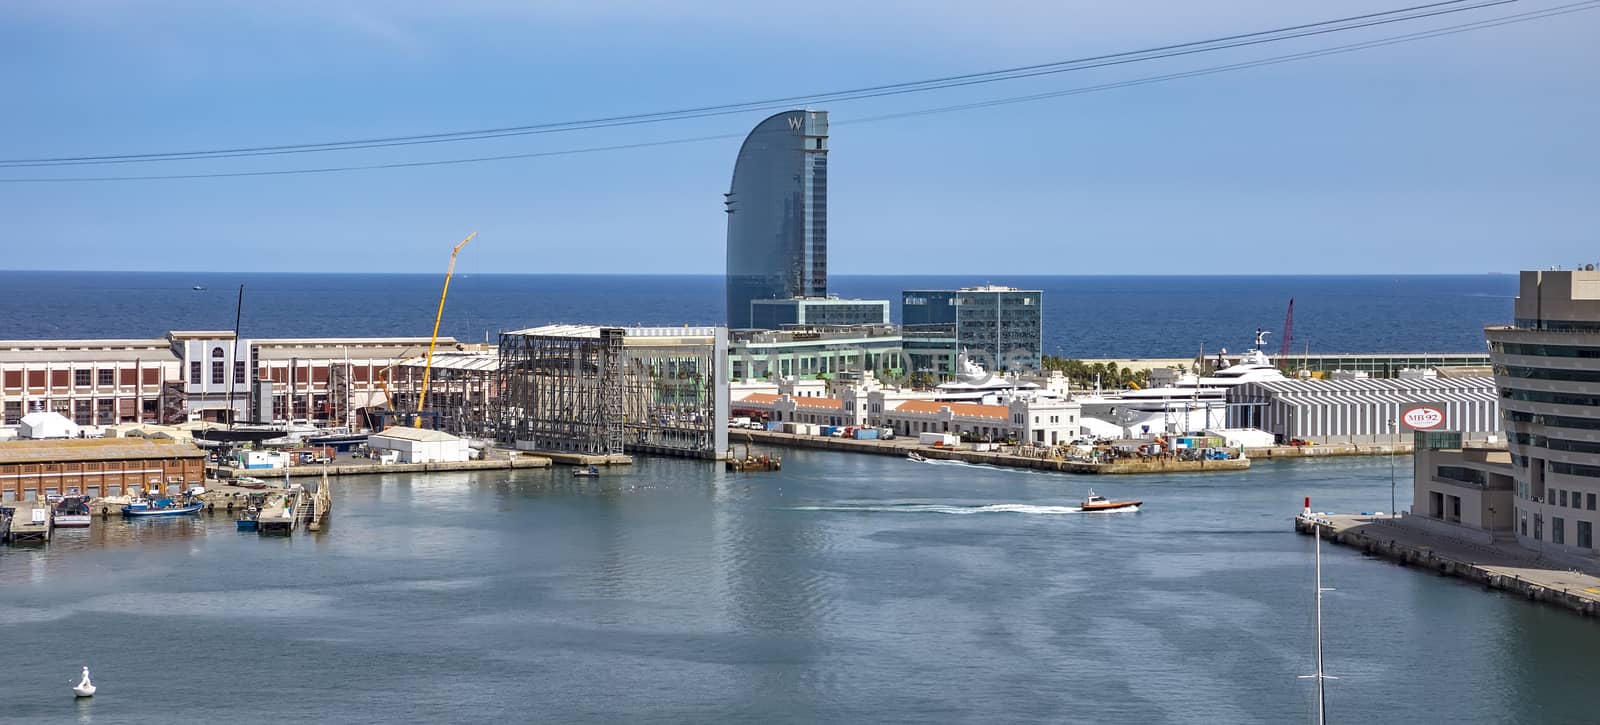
(1469, 153)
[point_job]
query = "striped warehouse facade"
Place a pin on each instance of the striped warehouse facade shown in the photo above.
(1362, 410)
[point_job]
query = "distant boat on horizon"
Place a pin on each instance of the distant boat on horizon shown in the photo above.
(198, 288)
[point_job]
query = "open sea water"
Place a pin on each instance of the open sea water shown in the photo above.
(843, 589)
(1086, 317)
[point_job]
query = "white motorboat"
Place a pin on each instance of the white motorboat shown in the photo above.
(915, 456)
(71, 512)
(84, 688)
(1096, 502)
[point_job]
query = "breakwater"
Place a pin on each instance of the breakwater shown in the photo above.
(1524, 574)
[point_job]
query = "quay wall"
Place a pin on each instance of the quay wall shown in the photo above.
(900, 447)
(365, 469)
(1575, 598)
(1332, 449)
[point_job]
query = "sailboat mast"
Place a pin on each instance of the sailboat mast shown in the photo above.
(238, 312)
(1322, 701)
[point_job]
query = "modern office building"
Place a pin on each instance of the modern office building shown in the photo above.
(1465, 486)
(1000, 327)
(813, 351)
(828, 311)
(1547, 368)
(777, 211)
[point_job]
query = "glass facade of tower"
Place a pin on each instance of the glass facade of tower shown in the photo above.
(778, 214)
(1000, 327)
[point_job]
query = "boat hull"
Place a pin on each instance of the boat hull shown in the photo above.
(249, 525)
(193, 508)
(72, 521)
(1110, 505)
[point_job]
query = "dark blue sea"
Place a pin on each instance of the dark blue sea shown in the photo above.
(1099, 316)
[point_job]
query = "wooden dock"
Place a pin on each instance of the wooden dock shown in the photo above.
(30, 523)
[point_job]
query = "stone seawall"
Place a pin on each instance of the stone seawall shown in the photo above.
(900, 447)
(1489, 566)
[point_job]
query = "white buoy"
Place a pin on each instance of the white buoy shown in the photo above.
(85, 688)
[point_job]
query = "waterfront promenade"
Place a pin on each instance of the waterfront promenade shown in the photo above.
(1505, 567)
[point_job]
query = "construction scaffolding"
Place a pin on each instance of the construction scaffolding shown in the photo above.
(460, 395)
(613, 390)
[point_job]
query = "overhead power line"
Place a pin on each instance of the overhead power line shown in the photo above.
(1275, 35)
(1305, 55)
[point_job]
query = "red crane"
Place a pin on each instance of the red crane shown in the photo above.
(1288, 333)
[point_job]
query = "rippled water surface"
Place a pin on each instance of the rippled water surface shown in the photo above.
(1110, 316)
(843, 589)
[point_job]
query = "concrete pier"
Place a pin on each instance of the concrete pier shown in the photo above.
(900, 447)
(24, 528)
(1516, 571)
(1332, 449)
(368, 467)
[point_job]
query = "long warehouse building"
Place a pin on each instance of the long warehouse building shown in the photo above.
(1362, 410)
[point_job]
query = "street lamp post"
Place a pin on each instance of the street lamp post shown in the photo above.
(1392, 511)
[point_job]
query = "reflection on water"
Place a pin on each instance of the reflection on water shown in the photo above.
(841, 589)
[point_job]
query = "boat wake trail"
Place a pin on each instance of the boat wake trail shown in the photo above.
(935, 508)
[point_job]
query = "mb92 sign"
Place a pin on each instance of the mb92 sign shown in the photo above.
(1423, 416)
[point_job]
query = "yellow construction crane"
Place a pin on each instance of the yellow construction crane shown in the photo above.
(427, 369)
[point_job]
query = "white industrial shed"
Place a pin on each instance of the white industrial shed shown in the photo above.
(419, 445)
(38, 426)
(1362, 410)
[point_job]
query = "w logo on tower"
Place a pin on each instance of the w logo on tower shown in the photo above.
(795, 122)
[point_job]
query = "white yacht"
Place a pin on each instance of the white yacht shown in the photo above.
(974, 384)
(1253, 365)
(1191, 403)
(1154, 411)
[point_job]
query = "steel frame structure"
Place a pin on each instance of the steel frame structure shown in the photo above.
(613, 390)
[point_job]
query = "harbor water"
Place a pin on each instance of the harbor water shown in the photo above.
(845, 588)
(1092, 317)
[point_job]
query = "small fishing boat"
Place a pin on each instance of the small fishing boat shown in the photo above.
(84, 688)
(72, 512)
(248, 519)
(590, 472)
(250, 482)
(915, 456)
(198, 288)
(1096, 502)
(161, 507)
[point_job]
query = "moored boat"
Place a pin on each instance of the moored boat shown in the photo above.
(72, 512)
(140, 507)
(591, 471)
(250, 482)
(1096, 502)
(248, 518)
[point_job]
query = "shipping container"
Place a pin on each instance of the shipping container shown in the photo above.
(866, 434)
